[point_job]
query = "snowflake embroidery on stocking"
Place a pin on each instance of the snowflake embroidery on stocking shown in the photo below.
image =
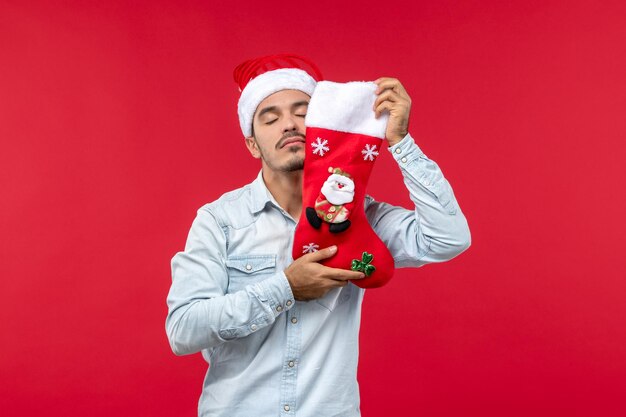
(319, 146)
(369, 152)
(310, 248)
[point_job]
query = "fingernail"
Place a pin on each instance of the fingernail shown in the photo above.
(333, 249)
(362, 276)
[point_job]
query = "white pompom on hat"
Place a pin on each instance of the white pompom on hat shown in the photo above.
(261, 77)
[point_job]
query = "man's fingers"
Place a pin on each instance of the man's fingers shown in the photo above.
(391, 97)
(336, 274)
(339, 274)
(385, 105)
(322, 254)
(392, 107)
(387, 95)
(386, 83)
(382, 81)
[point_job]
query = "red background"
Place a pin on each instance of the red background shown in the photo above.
(118, 121)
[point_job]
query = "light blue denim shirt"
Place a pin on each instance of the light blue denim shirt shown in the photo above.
(269, 354)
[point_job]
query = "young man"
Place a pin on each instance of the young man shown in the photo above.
(281, 336)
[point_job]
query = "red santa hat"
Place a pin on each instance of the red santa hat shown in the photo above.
(261, 77)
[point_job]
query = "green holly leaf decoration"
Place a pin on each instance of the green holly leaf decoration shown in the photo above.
(364, 265)
(367, 257)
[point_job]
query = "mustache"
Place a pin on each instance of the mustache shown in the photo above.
(288, 135)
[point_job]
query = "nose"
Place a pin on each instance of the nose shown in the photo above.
(289, 123)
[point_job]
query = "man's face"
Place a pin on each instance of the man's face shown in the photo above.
(278, 127)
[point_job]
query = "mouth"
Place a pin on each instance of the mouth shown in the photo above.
(292, 141)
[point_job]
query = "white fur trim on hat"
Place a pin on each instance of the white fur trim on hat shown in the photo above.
(266, 84)
(346, 107)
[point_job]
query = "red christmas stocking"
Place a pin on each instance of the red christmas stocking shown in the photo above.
(343, 140)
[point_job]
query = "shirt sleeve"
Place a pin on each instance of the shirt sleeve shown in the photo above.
(436, 230)
(201, 314)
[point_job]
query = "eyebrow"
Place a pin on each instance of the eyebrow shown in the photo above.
(299, 103)
(274, 109)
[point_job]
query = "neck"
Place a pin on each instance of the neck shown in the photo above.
(286, 188)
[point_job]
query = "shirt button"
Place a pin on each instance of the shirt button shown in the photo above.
(398, 150)
(279, 308)
(291, 364)
(294, 320)
(248, 267)
(289, 302)
(403, 160)
(253, 327)
(286, 408)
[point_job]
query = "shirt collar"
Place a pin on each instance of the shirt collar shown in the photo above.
(261, 196)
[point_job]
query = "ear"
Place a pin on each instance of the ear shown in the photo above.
(253, 147)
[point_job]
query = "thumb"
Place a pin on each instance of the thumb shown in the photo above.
(322, 254)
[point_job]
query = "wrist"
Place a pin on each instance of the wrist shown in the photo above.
(395, 139)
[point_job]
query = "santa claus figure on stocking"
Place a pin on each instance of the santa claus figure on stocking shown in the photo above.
(334, 203)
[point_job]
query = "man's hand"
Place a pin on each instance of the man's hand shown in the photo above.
(393, 97)
(310, 280)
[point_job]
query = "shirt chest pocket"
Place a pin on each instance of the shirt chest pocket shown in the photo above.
(244, 270)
